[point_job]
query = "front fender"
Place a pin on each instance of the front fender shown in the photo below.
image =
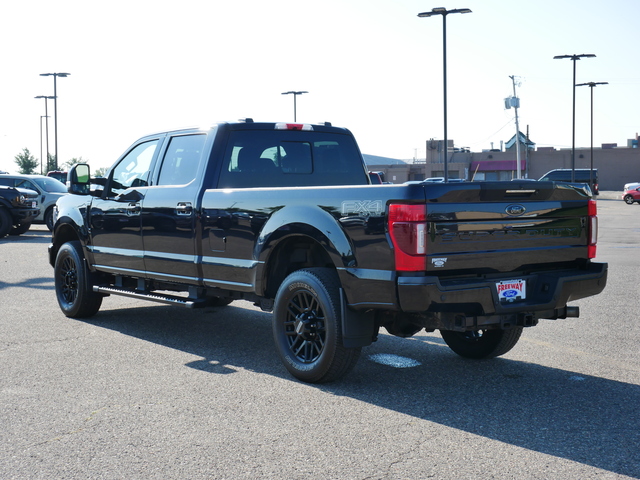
(70, 225)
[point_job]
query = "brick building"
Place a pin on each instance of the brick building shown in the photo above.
(616, 165)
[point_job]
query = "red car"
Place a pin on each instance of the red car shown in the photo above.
(631, 195)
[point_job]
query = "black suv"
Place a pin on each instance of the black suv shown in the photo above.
(18, 208)
(582, 175)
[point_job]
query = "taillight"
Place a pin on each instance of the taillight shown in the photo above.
(592, 228)
(294, 126)
(408, 230)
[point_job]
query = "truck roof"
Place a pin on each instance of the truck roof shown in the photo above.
(249, 124)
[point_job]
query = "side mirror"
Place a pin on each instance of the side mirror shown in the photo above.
(79, 178)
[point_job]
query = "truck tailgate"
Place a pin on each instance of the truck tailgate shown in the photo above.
(505, 226)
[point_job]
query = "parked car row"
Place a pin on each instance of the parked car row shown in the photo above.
(48, 190)
(18, 208)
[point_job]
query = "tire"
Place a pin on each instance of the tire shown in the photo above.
(307, 327)
(5, 222)
(482, 343)
(74, 283)
(48, 218)
(20, 229)
(628, 199)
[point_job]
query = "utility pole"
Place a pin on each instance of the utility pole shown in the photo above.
(526, 155)
(516, 105)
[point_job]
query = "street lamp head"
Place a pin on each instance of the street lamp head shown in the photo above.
(443, 11)
(45, 96)
(55, 74)
(575, 56)
(294, 93)
(591, 84)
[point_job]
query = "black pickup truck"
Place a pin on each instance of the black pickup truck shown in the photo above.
(18, 209)
(284, 215)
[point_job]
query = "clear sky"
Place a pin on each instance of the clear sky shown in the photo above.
(373, 66)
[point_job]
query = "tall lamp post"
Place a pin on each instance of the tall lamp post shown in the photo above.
(295, 94)
(444, 12)
(46, 116)
(55, 108)
(41, 117)
(573, 135)
(591, 85)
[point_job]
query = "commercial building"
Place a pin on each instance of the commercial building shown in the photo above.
(616, 165)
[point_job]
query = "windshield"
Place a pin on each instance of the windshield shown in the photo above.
(51, 185)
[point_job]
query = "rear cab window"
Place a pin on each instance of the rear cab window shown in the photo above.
(268, 158)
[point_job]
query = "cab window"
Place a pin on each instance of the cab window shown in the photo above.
(133, 169)
(181, 160)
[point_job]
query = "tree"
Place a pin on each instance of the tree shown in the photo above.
(52, 164)
(70, 163)
(27, 163)
(100, 172)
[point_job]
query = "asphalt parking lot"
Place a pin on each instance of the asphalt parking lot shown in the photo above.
(146, 391)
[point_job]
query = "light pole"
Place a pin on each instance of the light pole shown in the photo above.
(574, 57)
(55, 108)
(444, 12)
(41, 117)
(295, 94)
(46, 115)
(591, 85)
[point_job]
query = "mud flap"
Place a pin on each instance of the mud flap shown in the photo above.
(358, 328)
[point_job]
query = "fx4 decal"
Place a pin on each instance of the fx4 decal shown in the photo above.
(362, 207)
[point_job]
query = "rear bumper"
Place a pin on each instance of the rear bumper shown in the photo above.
(546, 291)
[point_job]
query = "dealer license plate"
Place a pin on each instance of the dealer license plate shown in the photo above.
(34, 204)
(511, 290)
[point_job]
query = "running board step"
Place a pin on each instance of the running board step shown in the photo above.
(166, 299)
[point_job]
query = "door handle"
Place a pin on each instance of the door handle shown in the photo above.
(133, 209)
(184, 208)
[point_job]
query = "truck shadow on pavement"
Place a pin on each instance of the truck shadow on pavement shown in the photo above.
(41, 283)
(42, 236)
(581, 418)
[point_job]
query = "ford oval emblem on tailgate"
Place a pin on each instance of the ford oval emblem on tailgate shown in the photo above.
(515, 210)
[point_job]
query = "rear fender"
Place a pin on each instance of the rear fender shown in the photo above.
(311, 222)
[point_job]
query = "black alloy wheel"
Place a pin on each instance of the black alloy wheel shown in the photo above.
(307, 326)
(74, 283)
